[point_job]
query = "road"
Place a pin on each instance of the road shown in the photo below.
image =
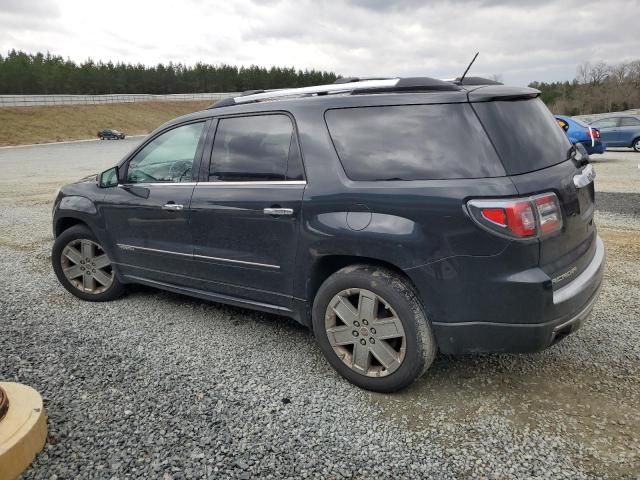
(157, 385)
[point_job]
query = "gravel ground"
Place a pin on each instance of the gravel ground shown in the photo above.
(158, 385)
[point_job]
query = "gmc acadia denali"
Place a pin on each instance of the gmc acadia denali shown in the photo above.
(395, 217)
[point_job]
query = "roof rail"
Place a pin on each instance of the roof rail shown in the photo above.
(358, 79)
(351, 85)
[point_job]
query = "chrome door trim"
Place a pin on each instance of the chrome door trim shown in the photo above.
(158, 184)
(252, 183)
(209, 184)
(131, 248)
(242, 262)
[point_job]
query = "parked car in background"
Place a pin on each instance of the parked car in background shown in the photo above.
(580, 132)
(619, 131)
(110, 134)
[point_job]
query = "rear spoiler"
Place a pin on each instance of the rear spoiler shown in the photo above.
(487, 93)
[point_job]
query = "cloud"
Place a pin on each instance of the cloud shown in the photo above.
(520, 40)
(32, 7)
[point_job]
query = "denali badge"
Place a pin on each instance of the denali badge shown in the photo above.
(564, 276)
(585, 177)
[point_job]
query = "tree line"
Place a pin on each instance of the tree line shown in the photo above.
(597, 88)
(32, 74)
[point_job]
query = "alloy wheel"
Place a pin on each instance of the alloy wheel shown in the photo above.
(365, 332)
(86, 266)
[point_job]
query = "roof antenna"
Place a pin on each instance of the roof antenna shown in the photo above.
(465, 72)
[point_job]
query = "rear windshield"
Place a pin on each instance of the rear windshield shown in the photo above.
(525, 134)
(412, 142)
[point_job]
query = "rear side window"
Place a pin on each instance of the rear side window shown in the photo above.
(629, 122)
(255, 148)
(412, 142)
(525, 134)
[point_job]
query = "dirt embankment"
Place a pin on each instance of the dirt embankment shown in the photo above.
(27, 125)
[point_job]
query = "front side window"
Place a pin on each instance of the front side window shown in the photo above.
(168, 157)
(629, 122)
(256, 148)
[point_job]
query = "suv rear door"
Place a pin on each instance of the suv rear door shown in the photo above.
(536, 156)
(628, 130)
(246, 209)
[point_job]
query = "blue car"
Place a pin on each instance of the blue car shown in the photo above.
(580, 132)
(620, 131)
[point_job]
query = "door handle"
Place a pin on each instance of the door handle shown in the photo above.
(172, 207)
(277, 211)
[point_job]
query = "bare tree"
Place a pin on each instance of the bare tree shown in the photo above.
(618, 73)
(598, 73)
(583, 73)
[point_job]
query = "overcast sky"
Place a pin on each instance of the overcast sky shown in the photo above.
(520, 40)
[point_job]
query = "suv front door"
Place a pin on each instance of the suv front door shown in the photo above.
(147, 215)
(245, 214)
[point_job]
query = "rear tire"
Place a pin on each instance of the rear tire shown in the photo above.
(83, 267)
(372, 328)
(636, 145)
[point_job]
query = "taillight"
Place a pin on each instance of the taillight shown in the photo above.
(596, 133)
(549, 215)
(529, 217)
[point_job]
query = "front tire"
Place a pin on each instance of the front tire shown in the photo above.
(372, 328)
(83, 267)
(636, 145)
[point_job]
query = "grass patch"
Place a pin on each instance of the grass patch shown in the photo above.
(26, 125)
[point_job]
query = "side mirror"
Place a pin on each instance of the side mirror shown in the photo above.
(108, 178)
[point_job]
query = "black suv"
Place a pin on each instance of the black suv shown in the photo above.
(110, 134)
(395, 217)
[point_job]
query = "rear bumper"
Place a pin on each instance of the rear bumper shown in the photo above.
(559, 316)
(597, 148)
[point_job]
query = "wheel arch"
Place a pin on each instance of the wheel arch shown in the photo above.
(65, 223)
(327, 265)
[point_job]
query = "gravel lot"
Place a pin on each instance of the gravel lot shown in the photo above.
(158, 385)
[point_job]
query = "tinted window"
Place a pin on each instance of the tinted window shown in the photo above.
(629, 122)
(168, 157)
(605, 123)
(525, 134)
(412, 142)
(254, 149)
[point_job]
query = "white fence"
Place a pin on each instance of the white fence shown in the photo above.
(34, 100)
